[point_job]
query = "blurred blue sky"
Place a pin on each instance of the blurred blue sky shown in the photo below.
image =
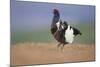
(35, 15)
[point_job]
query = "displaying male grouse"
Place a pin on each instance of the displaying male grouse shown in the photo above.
(61, 31)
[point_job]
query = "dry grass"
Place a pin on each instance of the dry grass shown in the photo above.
(44, 53)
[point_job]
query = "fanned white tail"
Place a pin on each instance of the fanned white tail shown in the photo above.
(69, 35)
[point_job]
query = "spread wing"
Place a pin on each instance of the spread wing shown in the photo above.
(76, 31)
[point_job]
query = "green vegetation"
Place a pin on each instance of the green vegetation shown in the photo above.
(44, 35)
(31, 36)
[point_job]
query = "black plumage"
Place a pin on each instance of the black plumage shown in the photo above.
(61, 31)
(56, 18)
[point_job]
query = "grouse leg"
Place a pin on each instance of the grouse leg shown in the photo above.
(62, 46)
(59, 45)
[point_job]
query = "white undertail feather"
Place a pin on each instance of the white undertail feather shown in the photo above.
(69, 35)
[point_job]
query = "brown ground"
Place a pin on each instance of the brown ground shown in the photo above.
(43, 53)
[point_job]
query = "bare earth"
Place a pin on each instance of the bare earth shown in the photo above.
(46, 53)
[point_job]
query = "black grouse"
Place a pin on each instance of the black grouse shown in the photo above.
(61, 31)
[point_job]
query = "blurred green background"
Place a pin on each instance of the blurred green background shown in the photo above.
(44, 35)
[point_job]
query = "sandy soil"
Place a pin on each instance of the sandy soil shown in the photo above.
(46, 53)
